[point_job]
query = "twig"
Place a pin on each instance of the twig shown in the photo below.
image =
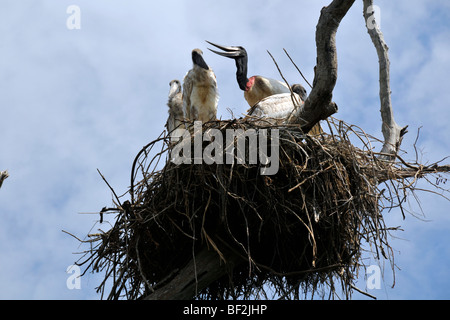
(70, 234)
(3, 176)
(297, 68)
(363, 292)
(293, 98)
(115, 195)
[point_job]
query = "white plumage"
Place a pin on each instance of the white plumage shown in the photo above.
(200, 95)
(175, 104)
(277, 106)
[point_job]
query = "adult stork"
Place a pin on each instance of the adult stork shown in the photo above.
(267, 97)
(200, 95)
(255, 88)
(175, 104)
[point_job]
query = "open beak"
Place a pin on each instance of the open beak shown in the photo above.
(231, 52)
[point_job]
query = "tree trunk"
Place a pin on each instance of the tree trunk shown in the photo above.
(318, 106)
(205, 268)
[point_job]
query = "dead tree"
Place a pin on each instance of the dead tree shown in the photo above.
(224, 227)
(318, 106)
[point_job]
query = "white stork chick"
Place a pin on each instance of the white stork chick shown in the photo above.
(255, 88)
(200, 95)
(175, 104)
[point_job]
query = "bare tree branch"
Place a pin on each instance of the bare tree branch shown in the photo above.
(392, 132)
(318, 106)
(3, 176)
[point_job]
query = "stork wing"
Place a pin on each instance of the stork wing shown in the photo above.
(187, 90)
(276, 106)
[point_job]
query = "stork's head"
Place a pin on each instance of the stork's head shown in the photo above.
(239, 54)
(175, 87)
(300, 90)
(197, 59)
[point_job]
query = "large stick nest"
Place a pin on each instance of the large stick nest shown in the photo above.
(299, 230)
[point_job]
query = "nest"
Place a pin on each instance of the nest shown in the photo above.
(302, 229)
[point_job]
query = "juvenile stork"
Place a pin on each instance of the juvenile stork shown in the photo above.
(200, 95)
(175, 104)
(255, 88)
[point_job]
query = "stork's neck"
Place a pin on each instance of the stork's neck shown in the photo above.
(241, 73)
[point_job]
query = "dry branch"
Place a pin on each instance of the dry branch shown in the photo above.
(318, 106)
(3, 176)
(392, 132)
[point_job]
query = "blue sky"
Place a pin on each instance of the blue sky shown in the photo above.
(74, 101)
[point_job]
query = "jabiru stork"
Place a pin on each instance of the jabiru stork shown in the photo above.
(200, 95)
(255, 88)
(175, 104)
(259, 89)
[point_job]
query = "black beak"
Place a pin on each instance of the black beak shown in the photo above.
(197, 59)
(240, 57)
(230, 52)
